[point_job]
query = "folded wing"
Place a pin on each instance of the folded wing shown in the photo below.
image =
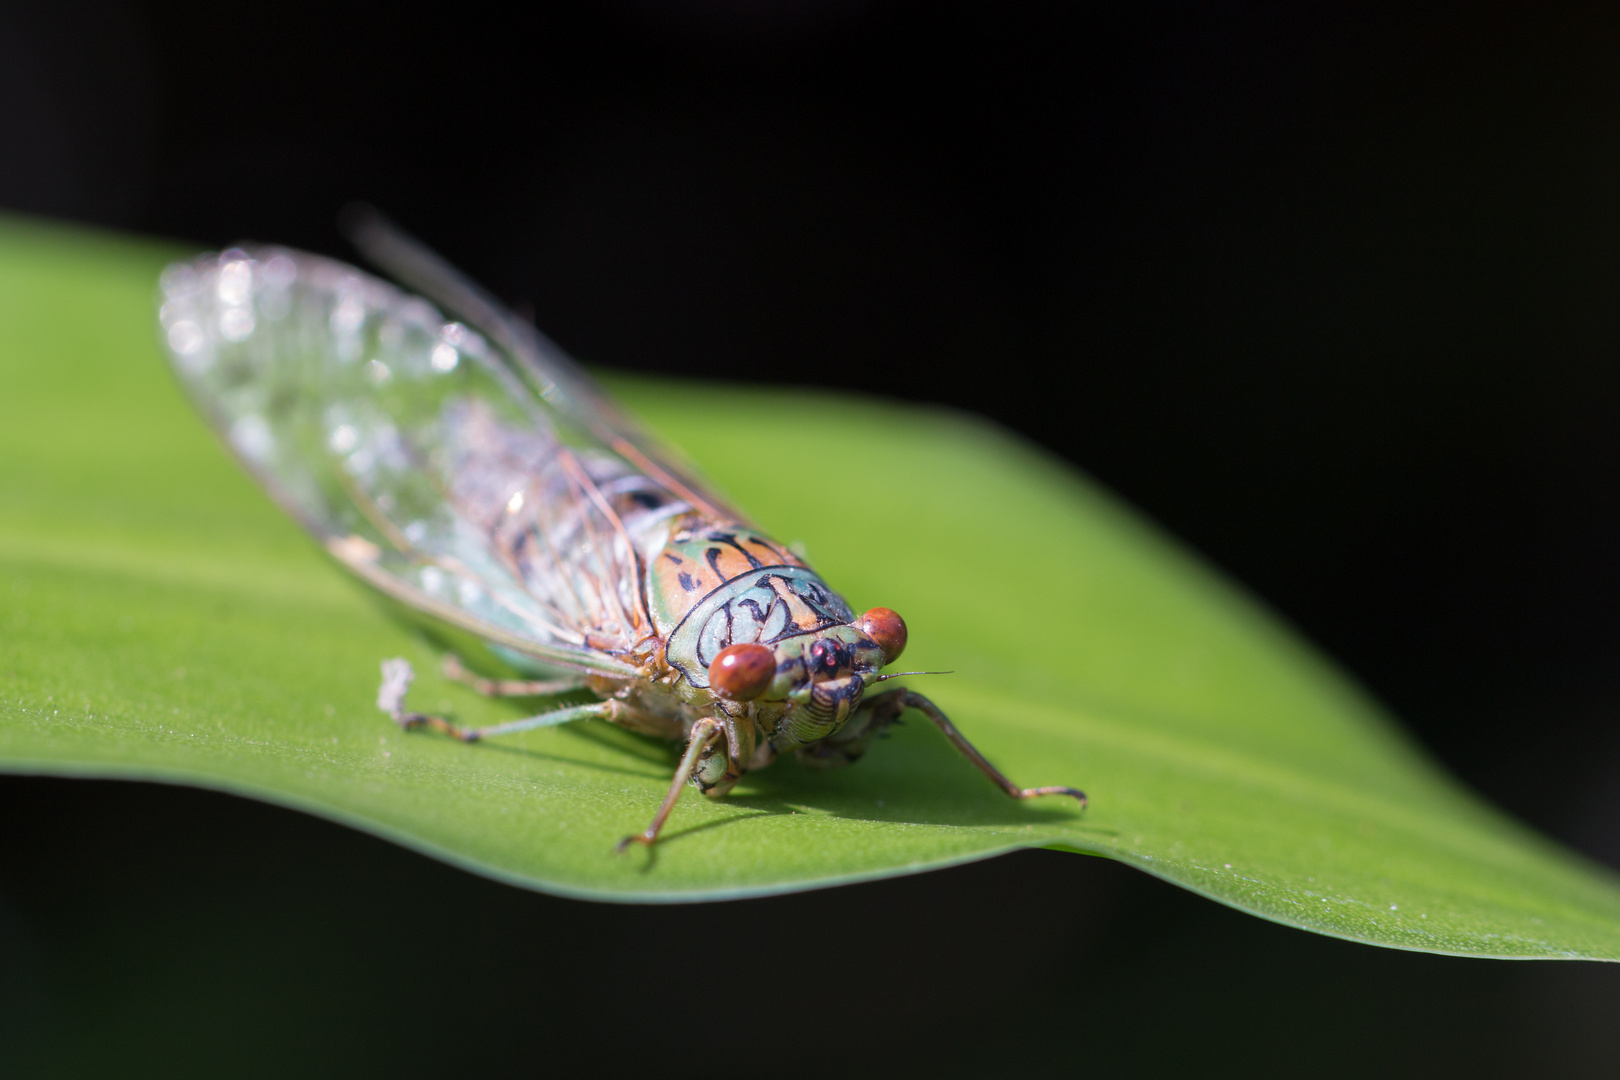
(430, 460)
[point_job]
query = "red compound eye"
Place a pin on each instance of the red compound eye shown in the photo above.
(887, 629)
(742, 672)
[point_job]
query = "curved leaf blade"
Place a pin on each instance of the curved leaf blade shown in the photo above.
(160, 620)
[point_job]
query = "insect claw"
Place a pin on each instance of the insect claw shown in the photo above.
(1030, 793)
(409, 721)
(414, 720)
(634, 838)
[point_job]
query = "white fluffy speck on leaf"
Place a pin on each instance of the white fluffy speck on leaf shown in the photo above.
(397, 675)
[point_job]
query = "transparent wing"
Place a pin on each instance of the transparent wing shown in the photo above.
(548, 371)
(425, 457)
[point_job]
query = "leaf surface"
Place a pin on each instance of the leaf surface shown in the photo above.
(161, 620)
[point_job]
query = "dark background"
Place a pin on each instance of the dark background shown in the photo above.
(1333, 294)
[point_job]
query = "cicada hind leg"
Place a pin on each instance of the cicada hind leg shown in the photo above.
(883, 709)
(398, 675)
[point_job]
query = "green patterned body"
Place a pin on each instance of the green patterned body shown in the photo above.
(719, 584)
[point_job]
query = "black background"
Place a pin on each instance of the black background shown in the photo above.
(1333, 294)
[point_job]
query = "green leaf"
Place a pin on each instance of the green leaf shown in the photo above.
(160, 619)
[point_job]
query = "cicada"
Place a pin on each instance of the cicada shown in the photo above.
(450, 455)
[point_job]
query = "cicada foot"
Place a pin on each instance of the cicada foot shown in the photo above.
(397, 676)
(1034, 792)
(635, 838)
(885, 709)
(415, 721)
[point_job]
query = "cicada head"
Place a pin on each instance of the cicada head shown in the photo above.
(818, 676)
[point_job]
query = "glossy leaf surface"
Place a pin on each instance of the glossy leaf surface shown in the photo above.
(160, 619)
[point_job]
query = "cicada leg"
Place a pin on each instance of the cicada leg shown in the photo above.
(699, 765)
(599, 710)
(453, 668)
(704, 732)
(880, 710)
(397, 677)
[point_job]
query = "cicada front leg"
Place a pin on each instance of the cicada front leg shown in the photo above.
(717, 753)
(880, 710)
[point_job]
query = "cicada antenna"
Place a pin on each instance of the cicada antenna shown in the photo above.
(898, 674)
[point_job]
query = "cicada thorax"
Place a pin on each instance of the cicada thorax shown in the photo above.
(717, 584)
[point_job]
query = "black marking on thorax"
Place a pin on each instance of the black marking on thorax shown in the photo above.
(731, 539)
